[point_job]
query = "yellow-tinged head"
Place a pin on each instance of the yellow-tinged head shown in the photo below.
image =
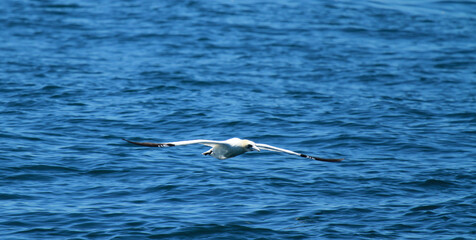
(249, 145)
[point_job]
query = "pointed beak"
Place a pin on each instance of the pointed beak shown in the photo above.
(255, 148)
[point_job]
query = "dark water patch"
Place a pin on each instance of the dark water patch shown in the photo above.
(425, 208)
(431, 185)
(37, 231)
(162, 88)
(90, 224)
(99, 234)
(161, 188)
(6, 196)
(230, 231)
(105, 172)
(72, 5)
(435, 183)
(51, 88)
(22, 224)
(401, 227)
(116, 194)
(45, 168)
(346, 211)
(31, 177)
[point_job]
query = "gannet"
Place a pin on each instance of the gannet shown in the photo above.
(230, 148)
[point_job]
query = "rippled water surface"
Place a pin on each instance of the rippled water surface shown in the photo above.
(388, 85)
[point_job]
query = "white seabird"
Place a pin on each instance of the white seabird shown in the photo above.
(231, 148)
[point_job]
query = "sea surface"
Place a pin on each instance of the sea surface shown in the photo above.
(388, 85)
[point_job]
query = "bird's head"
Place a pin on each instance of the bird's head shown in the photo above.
(250, 146)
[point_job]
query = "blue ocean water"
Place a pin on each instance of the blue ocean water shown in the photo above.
(388, 85)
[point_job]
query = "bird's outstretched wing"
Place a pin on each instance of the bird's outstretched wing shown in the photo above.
(209, 143)
(276, 149)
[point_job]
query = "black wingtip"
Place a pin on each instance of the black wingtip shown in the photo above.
(322, 159)
(329, 159)
(147, 144)
(129, 141)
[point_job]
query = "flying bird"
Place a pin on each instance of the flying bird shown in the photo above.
(231, 148)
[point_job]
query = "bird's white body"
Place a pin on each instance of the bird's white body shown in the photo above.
(230, 148)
